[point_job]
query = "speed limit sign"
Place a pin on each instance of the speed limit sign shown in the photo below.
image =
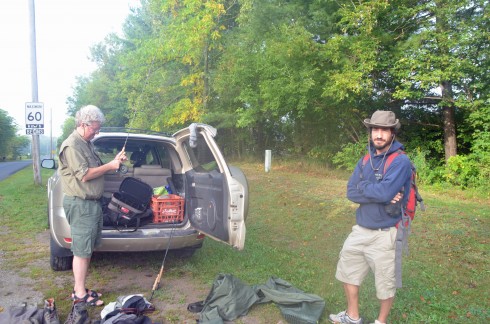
(34, 115)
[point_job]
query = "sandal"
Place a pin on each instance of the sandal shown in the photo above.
(91, 302)
(92, 293)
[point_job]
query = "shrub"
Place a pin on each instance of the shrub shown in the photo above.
(467, 171)
(348, 156)
(428, 171)
(320, 153)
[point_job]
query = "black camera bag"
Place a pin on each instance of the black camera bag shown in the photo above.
(130, 203)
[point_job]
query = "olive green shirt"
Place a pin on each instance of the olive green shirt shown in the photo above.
(76, 157)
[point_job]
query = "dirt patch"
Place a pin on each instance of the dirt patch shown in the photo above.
(114, 274)
(16, 289)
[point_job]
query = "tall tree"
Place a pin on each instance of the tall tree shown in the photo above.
(409, 53)
(67, 128)
(172, 65)
(102, 88)
(19, 145)
(269, 79)
(299, 75)
(435, 64)
(7, 132)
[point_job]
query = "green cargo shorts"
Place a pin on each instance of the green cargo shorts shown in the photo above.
(85, 219)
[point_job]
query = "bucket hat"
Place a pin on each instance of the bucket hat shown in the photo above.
(383, 119)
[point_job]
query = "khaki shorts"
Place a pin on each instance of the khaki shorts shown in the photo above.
(85, 219)
(366, 249)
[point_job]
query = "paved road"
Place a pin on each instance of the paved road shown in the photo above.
(9, 168)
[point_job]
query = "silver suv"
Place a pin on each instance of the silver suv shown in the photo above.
(190, 164)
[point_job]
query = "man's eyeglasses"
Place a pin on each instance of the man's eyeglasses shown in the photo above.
(94, 128)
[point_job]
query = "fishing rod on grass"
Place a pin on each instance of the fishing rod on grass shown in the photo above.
(160, 273)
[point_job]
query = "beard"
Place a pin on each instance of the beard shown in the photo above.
(380, 145)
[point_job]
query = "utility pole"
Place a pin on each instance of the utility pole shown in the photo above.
(36, 161)
(51, 133)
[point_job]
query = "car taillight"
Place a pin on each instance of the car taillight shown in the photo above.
(124, 210)
(201, 236)
(67, 239)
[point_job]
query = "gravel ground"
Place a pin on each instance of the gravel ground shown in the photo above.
(16, 289)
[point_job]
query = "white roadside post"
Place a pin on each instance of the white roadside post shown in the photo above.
(268, 160)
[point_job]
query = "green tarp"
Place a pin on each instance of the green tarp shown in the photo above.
(229, 298)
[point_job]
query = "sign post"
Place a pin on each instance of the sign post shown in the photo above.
(34, 118)
(36, 161)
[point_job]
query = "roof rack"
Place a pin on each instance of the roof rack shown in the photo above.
(133, 131)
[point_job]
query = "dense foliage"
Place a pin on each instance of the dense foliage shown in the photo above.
(299, 76)
(11, 144)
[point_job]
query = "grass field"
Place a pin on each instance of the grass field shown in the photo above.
(298, 220)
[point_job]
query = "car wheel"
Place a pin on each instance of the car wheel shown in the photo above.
(60, 258)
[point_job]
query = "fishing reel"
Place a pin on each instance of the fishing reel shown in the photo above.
(123, 169)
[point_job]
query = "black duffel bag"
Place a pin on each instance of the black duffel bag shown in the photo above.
(130, 203)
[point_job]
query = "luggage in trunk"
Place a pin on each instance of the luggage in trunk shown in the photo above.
(130, 203)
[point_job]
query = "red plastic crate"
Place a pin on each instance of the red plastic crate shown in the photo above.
(167, 208)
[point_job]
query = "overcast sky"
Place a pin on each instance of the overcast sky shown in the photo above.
(65, 31)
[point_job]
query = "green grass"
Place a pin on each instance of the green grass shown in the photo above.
(298, 220)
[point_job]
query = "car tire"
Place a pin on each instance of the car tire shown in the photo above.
(61, 259)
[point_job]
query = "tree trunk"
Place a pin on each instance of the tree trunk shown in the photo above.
(448, 111)
(206, 91)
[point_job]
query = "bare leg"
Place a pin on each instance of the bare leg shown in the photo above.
(384, 309)
(352, 295)
(80, 270)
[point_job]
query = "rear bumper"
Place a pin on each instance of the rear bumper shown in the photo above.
(144, 240)
(149, 240)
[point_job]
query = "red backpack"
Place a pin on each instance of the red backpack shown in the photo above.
(414, 197)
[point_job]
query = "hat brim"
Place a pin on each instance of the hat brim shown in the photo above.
(368, 124)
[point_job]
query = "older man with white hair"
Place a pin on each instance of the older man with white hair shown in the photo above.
(82, 176)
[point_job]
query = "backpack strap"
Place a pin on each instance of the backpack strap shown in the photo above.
(413, 183)
(401, 245)
(365, 160)
(390, 159)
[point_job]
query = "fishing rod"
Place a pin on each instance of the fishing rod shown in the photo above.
(125, 142)
(123, 169)
(160, 273)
